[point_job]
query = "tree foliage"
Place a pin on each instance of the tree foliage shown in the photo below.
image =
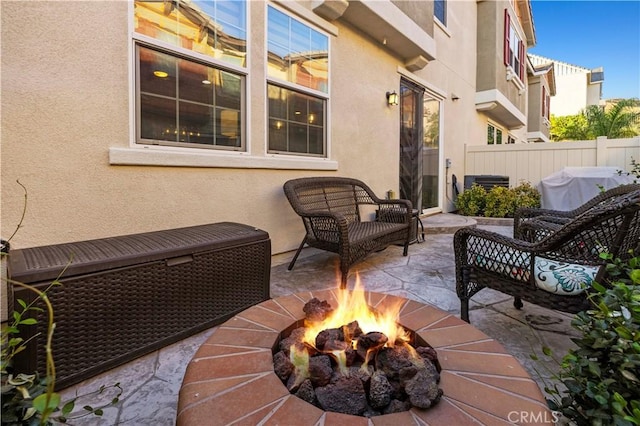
(616, 121)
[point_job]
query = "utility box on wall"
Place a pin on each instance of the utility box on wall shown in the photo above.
(126, 296)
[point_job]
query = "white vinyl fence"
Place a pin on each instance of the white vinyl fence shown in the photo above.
(534, 161)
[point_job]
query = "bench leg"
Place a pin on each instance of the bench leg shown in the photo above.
(464, 310)
(295, 257)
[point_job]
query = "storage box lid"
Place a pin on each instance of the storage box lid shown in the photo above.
(46, 263)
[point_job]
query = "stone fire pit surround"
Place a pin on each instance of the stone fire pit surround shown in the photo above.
(230, 379)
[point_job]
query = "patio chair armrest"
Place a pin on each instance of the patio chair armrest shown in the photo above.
(495, 253)
(327, 226)
(394, 211)
(537, 229)
(524, 214)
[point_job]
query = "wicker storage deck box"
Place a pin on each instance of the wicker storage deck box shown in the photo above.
(126, 296)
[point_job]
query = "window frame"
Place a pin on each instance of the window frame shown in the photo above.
(298, 88)
(442, 21)
(498, 133)
(515, 60)
(139, 40)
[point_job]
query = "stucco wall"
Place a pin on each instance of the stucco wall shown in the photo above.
(67, 93)
(66, 87)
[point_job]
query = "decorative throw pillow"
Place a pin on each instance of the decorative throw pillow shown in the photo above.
(550, 275)
(563, 278)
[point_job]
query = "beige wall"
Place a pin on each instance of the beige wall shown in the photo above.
(66, 88)
(66, 114)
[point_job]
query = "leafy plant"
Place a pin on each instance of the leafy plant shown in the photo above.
(599, 379)
(472, 201)
(28, 399)
(498, 202)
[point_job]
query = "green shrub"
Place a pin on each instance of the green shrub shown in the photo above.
(472, 201)
(498, 202)
(601, 376)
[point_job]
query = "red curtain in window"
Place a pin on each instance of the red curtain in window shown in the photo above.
(507, 27)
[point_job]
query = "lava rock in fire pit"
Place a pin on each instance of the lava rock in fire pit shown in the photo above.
(307, 393)
(329, 337)
(345, 395)
(392, 360)
(380, 390)
(422, 388)
(296, 338)
(316, 310)
(369, 342)
(282, 365)
(320, 370)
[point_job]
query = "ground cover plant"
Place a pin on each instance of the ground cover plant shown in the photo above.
(598, 382)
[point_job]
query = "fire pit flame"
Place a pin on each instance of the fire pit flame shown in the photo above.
(357, 360)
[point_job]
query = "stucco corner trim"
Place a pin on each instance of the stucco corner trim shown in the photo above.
(193, 158)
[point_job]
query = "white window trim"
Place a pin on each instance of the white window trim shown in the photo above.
(151, 155)
(161, 155)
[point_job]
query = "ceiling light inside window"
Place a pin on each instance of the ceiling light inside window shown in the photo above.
(161, 74)
(206, 82)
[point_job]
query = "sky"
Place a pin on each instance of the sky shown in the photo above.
(593, 34)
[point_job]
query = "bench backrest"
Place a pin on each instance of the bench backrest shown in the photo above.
(332, 194)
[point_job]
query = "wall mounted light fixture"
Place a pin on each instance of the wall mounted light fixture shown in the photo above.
(392, 98)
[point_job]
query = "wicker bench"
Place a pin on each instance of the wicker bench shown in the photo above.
(331, 209)
(125, 296)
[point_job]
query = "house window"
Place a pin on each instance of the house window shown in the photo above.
(546, 99)
(297, 87)
(513, 48)
(494, 135)
(510, 139)
(189, 91)
(440, 10)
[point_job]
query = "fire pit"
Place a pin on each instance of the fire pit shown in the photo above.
(353, 359)
(231, 378)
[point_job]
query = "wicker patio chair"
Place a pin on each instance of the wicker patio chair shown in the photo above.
(552, 271)
(332, 211)
(523, 215)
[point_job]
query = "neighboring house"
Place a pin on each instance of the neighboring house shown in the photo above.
(542, 87)
(125, 117)
(576, 87)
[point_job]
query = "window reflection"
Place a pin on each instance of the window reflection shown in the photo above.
(296, 52)
(193, 104)
(215, 28)
(296, 122)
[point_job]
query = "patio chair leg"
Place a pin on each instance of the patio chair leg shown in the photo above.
(517, 303)
(295, 257)
(343, 282)
(406, 249)
(464, 310)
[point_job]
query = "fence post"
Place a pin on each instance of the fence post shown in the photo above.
(601, 151)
